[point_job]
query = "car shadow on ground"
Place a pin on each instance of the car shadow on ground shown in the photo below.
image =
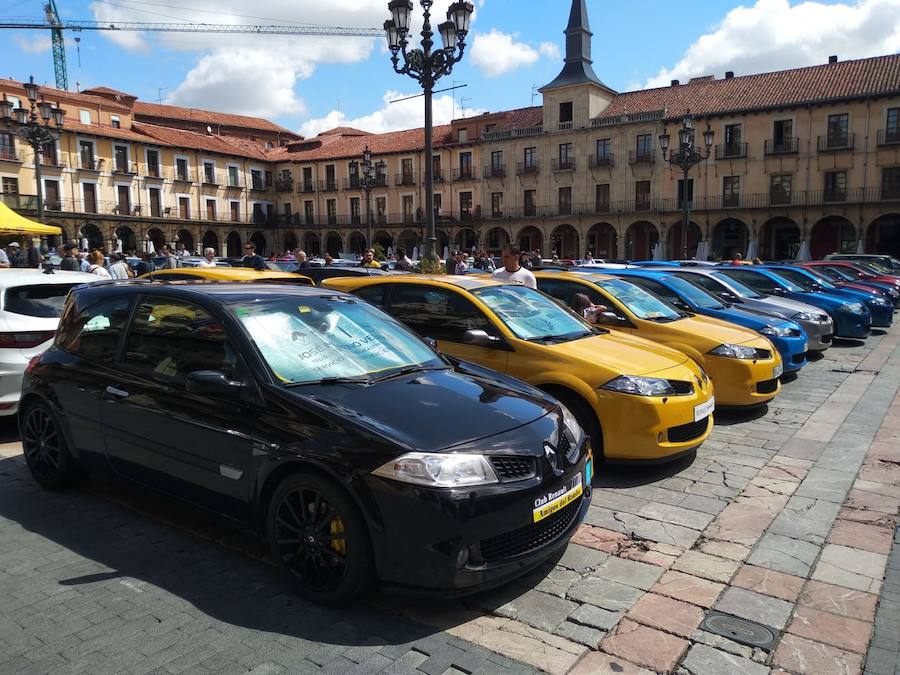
(727, 417)
(612, 475)
(812, 357)
(122, 536)
(847, 343)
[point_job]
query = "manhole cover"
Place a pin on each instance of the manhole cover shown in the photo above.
(739, 630)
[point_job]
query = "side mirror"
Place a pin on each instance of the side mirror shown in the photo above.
(431, 342)
(479, 338)
(211, 382)
(682, 305)
(608, 318)
(728, 296)
(778, 290)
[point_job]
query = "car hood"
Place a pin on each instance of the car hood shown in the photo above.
(707, 332)
(620, 353)
(433, 410)
(789, 304)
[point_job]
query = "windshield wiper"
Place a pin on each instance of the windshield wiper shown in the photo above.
(359, 379)
(407, 370)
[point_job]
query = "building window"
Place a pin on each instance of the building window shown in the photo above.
(642, 195)
(153, 164)
(84, 116)
(331, 210)
(565, 201)
(497, 163)
(496, 204)
(235, 211)
(604, 151)
(86, 155)
(780, 188)
(381, 174)
(465, 165)
(529, 159)
(565, 112)
(465, 205)
(48, 153)
(123, 200)
(7, 146)
(210, 209)
(89, 190)
(354, 210)
(184, 208)
(643, 147)
(256, 179)
(115, 122)
(601, 198)
(838, 130)
(436, 168)
(181, 170)
(381, 209)
(890, 183)
(155, 198)
(269, 180)
(566, 156)
(892, 126)
(408, 209)
(120, 159)
(51, 195)
(406, 170)
(783, 136)
(530, 207)
(10, 185)
(288, 210)
(308, 212)
(209, 173)
(462, 135)
(835, 186)
(734, 146)
(682, 196)
(731, 191)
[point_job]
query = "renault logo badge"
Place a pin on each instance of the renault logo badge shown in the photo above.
(553, 459)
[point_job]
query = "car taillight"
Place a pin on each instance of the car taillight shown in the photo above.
(25, 340)
(32, 363)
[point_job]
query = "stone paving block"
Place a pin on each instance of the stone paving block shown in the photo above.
(581, 558)
(800, 655)
(783, 554)
(860, 499)
(606, 594)
(851, 567)
(598, 663)
(630, 641)
(806, 518)
(704, 660)
(695, 520)
(858, 535)
(868, 517)
(628, 572)
(826, 484)
(672, 616)
(755, 607)
(706, 566)
(721, 643)
(596, 617)
(724, 549)
(688, 588)
(599, 538)
(558, 581)
(831, 629)
(769, 582)
(541, 610)
(740, 523)
(576, 632)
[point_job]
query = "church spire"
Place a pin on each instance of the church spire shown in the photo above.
(577, 68)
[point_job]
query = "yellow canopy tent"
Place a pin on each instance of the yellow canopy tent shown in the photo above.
(12, 223)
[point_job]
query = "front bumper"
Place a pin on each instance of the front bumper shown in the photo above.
(819, 334)
(852, 325)
(12, 369)
(456, 542)
(882, 315)
(742, 382)
(792, 350)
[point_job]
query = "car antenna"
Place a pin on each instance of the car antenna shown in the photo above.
(48, 268)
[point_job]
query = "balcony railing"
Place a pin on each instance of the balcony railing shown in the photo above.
(125, 168)
(234, 184)
(833, 195)
(836, 142)
(495, 171)
(602, 161)
(9, 155)
(89, 164)
(184, 176)
(566, 126)
(328, 185)
(464, 173)
(641, 156)
(889, 137)
(602, 206)
(404, 179)
(731, 150)
(153, 171)
(782, 146)
(731, 201)
(381, 180)
(562, 164)
(527, 168)
(284, 185)
(210, 180)
(260, 186)
(306, 187)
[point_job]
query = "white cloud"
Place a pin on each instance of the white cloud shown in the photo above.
(34, 45)
(774, 35)
(406, 114)
(497, 53)
(550, 50)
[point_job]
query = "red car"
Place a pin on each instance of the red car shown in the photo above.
(845, 276)
(856, 270)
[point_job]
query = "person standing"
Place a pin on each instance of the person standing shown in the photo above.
(96, 265)
(404, 264)
(16, 257)
(208, 259)
(303, 262)
(252, 259)
(738, 259)
(4, 259)
(119, 269)
(588, 258)
(369, 260)
(33, 255)
(146, 265)
(512, 270)
(69, 262)
(329, 261)
(461, 266)
(170, 262)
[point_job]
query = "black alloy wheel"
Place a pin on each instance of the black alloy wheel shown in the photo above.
(318, 538)
(45, 448)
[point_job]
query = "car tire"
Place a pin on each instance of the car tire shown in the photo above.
(44, 445)
(586, 418)
(316, 535)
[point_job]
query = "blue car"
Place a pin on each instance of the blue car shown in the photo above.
(882, 309)
(788, 337)
(852, 319)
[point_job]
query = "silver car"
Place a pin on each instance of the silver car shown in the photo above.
(818, 325)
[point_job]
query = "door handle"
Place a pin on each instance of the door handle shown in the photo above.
(113, 393)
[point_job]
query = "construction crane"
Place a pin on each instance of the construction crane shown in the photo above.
(56, 26)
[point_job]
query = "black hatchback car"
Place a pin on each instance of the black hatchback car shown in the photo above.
(317, 421)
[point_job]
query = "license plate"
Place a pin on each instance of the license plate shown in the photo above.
(552, 502)
(704, 409)
(777, 371)
(805, 347)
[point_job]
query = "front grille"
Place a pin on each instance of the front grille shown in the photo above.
(795, 332)
(766, 386)
(513, 468)
(688, 432)
(826, 339)
(531, 537)
(763, 354)
(798, 358)
(682, 388)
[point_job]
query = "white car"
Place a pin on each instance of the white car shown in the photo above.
(31, 303)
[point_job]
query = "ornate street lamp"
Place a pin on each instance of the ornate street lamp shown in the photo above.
(427, 66)
(38, 125)
(367, 182)
(685, 157)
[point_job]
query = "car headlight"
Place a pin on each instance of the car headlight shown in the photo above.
(572, 426)
(734, 351)
(807, 316)
(640, 386)
(439, 470)
(853, 307)
(881, 301)
(776, 331)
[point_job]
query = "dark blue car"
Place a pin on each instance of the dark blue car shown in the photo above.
(788, 337)
(882, 309)
(852, 319)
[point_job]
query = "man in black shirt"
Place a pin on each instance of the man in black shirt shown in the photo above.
(252, 259)
(69, 262)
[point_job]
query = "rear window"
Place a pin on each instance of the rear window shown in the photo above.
(41, 301)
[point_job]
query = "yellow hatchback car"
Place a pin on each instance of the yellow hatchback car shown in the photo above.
(743, 365)
(228, 274)
(637, 400)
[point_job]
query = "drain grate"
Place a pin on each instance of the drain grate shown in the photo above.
(740, 630)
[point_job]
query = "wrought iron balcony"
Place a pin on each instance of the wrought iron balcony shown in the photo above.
(403, 179)
(89, 164)
(9, 155)
(527, 168)
(464, 173)
(603, 161)
(641, 156)
(328, 185)
(284, 185)
(888, 137)
(782, 146)
(125, 168)
(731, 151)
(210, 179)
(836, 142)
(495, 171)
(183, 176)
(567, 164)
(306, 186)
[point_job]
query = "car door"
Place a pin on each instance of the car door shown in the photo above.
(194, 446)
(445, 315)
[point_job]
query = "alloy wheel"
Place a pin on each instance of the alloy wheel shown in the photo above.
(41, 443)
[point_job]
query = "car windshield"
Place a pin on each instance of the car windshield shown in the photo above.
(639, 302)
(308, 340)
(835, 273)
(44, 301)
(876, 267)
(799, 279)
(736, 287)
(531, 315)
(693, 293)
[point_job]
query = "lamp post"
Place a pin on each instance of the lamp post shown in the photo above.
(35, 128)
(427, 66)
(367, 182)
(685, 157)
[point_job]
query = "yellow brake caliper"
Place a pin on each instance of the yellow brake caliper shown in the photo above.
(339, 545)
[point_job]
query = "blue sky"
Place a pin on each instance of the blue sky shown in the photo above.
(311, 84)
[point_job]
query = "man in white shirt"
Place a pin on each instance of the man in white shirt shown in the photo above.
(208, 259)
(512, 270)
(119, 269)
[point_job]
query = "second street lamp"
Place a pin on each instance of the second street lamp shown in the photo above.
(38, 125)
(367, 182)
(427, 66)
(685, 157)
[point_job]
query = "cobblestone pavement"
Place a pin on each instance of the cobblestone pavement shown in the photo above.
(786, 519)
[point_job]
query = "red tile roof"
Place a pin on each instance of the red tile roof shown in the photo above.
(847, 79)
(209, 143)
(153, 110)
(344, 131)
(351, 146)
(522, 118)
(55, 95)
